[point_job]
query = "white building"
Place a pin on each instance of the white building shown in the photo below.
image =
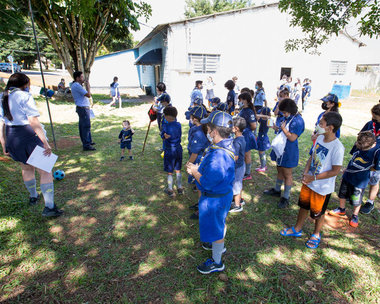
(249, 43)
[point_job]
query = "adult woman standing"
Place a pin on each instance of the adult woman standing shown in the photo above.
(23, 132)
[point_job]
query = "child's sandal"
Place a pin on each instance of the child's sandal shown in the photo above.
(313, 244)
(285, 232)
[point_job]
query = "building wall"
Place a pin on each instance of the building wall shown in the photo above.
(120, 64)
(251, 45)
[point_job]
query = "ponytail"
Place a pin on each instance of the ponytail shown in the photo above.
(5, 104)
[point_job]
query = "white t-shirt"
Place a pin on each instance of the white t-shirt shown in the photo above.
(324, 156)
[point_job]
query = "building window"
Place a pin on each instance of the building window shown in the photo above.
(363, 68)
(338, 67)
(204, 63)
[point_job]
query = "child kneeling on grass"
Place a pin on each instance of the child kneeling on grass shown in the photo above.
(214, 177)
(171, 133)
(319, 177)
(357, 175)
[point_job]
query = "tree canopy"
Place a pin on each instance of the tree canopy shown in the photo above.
(320, 19)
(196, 8)
(77, 29)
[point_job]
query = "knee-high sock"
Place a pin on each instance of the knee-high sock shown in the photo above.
(31, 186)
(179, 180)
(217, 251)
(170, 181)
(278, 184)
(48, 193)
(287, 191)
(263, 160)
(248, 168)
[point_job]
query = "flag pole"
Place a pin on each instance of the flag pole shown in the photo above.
(42, 72)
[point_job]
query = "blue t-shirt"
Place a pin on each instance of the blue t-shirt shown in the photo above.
(263, 128)
(174, 130)
(126, 135)
(306, 90)
(259, 98)
(358, 169)
(115, 87)
(231, 101)
(196, 97)
(78, 93)
(280, 117)
(217, 168)
(337, 134)
(249, 115)
(239, 147)
(198, 141)
(369, 126)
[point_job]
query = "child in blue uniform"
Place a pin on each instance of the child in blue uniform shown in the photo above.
(263, 143)
(171, 134)
(125, 137)
(239, 146)
(161, 101)
(357, 175)
(214, 178)
(248, 113)
(230, 101)
(196, 96)
(279, 116)
(260, 99)
(292, 127)
(306, 89)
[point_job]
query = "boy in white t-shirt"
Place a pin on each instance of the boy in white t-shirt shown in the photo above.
(319, 176)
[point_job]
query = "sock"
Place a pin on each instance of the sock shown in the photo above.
(48, 193)
(217, 249)
(170, 182)
(248, 169)
(278, 184)
(179, 180)
(287, 191)
(370, 201)
(31, 186)
(263, 160)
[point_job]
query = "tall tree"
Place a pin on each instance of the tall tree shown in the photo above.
(196, 8)
(320, 19)
(77, 29)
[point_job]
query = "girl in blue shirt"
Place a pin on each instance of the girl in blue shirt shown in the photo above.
(279, 115)
(230, 85)
(293, 126)
(263, 142)
(260, 99)
(248, 113)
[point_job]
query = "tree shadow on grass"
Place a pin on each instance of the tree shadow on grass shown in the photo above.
(122, 240)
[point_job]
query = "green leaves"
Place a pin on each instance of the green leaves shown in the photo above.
(196, 8)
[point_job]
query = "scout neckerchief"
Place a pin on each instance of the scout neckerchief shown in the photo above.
(377, 133)
(215, 147)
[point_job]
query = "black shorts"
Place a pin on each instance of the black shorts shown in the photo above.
(351, 193)
(126, 144)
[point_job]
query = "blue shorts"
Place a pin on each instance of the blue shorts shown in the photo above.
(173, 159)
(126, 144)
(250, 140)
(237, 185)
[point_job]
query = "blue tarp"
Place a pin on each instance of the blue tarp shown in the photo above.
(342, 91)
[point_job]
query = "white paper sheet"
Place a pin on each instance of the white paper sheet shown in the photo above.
(39, 160)
(92, 114)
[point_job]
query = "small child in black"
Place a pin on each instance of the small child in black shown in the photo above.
(125, 137)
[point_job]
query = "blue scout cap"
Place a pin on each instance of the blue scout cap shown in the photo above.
(222, 107)
(264, 111)
(198, 112)
(215, 100)
(330, 97)
(219, 118)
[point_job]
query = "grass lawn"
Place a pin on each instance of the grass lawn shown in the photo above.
(122, 239)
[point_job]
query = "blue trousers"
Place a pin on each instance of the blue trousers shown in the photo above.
(84, 126)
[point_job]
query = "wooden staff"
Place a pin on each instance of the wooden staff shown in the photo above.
(146, 136)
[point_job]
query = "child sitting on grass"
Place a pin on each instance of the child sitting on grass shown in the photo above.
(125, 137)
(357, 175)
(171, 134)
(319, 177)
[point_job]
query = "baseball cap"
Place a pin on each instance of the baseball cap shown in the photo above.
(219, 118)
(222, 107)
(215, 100)
(197, 111)
(330, 97)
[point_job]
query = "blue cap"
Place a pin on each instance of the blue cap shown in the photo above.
(164, 97)
(222, 106)
(330, 97)
(264, 111)
(219, 118)
(198, 112)
(215, 100)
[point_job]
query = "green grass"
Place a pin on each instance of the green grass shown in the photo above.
(122, 240)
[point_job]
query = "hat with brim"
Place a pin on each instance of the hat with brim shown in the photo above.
(198, 112)
(330, 97)
(219, 118)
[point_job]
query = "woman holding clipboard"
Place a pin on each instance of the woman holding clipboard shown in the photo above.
(22, 133)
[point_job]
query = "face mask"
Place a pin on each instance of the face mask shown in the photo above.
(210, 139)
(324, 106)
(241, 104)
(191, 121)
(256, 87)
(320, 130)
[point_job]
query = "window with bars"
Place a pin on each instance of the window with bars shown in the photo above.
(338, 67)
(204, 63)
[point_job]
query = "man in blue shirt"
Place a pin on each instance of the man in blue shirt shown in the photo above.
(81, 99)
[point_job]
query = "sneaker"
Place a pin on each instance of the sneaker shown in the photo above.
(121, 158)
(272, 192)
(354, 221)
(194, 207)
(247, 177)
(89, 148)
(195, 216)
(283, 203)
(169, 192)
(195, 189)
(93, 144)
(261, 169)
(34, 200)
(54, 212)
(242, 202)
(210, 266)
(367, 208)
(338, 212)
(131, 158)
(234, 208)
(208, 246)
